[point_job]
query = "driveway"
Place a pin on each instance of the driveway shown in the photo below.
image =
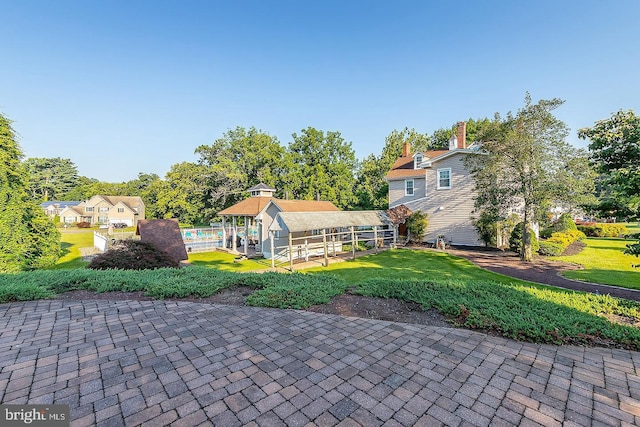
(186, 364)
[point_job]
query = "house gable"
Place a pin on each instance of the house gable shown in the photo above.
(443, 188)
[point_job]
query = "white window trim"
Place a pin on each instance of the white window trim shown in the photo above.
(413, 187)
(440, 187)
(416, 162)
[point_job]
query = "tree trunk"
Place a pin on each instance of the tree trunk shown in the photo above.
(526, 253)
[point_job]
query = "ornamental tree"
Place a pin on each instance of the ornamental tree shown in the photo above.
(521, 158)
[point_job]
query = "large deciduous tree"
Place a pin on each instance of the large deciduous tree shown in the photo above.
(51, 178)
(28, 238)
(523, 155)
(321, 165)
(615, 151)
(183, 194)
(238, 160)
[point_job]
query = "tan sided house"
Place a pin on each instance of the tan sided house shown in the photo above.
(106, 210)
(438, 184)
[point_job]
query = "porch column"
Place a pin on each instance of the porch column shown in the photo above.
(224, 233)
(353, 242)
(375, 238)
(234, 243)
(246, 235)
(333, 241)
(325, 249)
(290, 252)
(395, 235)
(273, 254)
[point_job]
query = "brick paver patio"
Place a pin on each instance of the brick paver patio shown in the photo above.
(186, 364)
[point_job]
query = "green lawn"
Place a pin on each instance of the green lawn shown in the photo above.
(633, 227)
(70, 242)
(604, 262)
(225, 261)
(411, 265)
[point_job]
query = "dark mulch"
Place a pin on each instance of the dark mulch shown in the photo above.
(345, 305)
(574, 249)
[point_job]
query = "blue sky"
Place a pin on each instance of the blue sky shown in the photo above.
(122, 87)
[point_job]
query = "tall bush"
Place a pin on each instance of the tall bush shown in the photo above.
(564, 223)
(487, 229)
(417, 226)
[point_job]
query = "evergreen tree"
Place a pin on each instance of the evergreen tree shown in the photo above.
(28, 238)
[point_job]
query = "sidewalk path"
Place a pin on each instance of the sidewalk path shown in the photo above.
(159, 362)
(540, 271)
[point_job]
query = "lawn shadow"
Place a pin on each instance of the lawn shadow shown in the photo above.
(65, 248)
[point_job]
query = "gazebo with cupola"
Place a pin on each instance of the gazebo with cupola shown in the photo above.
(260, 196)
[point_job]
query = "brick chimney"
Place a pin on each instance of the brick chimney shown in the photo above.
(406, 149)
(461, 134)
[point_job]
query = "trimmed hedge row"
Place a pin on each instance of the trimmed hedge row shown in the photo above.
(559, 241)
(550, 248)
(592, 229)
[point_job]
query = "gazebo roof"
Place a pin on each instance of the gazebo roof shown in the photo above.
(304, 221)
(247, 207)
(254, 205)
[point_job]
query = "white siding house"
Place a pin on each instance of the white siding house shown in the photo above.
(438, 184)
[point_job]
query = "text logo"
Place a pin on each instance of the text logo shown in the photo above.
(34, 415)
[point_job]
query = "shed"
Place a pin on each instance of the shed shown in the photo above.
(329, 225)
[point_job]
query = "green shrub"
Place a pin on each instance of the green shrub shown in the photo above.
(515, 241)
(133, 255)
(564, 223)
(559, 241)
(487, 228)
(550, 248)
(546, 232)
(417, 226)
(603, 229)
(567, 237)
(522, 312)
(298, 291)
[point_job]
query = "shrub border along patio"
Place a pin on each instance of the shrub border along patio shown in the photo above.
(524, 312)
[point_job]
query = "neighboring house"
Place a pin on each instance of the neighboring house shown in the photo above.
(438, 184)
(54, 208)
(106, 210)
